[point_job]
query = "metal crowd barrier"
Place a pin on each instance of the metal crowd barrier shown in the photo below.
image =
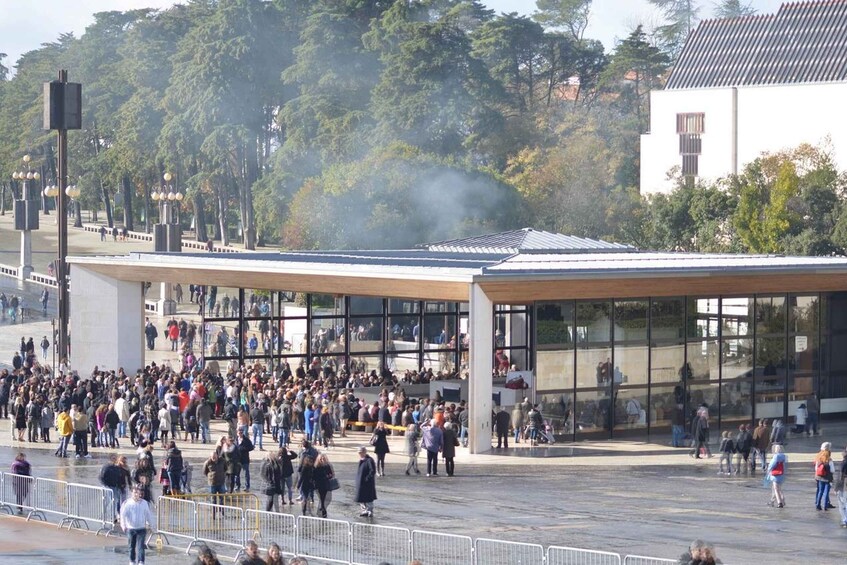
(51, 498)
(90, 504)
(326, 540)
(17, 495)
(272, 527)
(176, 518)
(574, 556)
(219, 525)
(642, 560)
(376, 544)
(496, 552)
(441, 549)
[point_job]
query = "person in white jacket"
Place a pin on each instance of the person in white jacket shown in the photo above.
(136, 515)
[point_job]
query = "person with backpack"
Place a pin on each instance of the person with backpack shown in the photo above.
(776, 476)
(743, 445)
(173, 467)
(272, 475)
(727, 448)
(824, 473)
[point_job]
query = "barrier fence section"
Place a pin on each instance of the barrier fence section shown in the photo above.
(266, 527)
(219, 525)
(642, 560)
(176, 518)
(90, 504)
(17, 494)
(371, 544)
(441, 549)
(51, 498)
(557, 555)
(327, 540)
(497, 552)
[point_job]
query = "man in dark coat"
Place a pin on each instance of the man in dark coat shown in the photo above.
(366, 483)
(501, 426)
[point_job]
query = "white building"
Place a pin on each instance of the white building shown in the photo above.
(748, 85)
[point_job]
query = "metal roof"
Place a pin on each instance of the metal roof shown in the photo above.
(526, 240)
(804, 42)
(657, 263)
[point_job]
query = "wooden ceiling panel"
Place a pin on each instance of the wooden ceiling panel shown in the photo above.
(314, 283)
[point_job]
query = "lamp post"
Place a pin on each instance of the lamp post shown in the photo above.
(26, 215)
(167, 234)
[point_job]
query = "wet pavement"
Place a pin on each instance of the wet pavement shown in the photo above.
(609, 499)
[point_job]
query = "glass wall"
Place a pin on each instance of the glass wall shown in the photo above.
(635, 366)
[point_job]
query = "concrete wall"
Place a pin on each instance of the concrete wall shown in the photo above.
(769, 118)
(107, 322)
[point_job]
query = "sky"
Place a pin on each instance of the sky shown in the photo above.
(26, 24)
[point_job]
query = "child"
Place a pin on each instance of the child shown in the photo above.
(191, 428)
(727, 448)
(800, 420)
(186, 476)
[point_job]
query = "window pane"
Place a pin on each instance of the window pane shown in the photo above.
(631, 320)
(365, 305)
(770, 315)
(404, 328)
(510, 330)
(433, 307)
(593, 322)
(663, 405)
(702, 317)
(554, 371)
(667, 319)
(630, 365)
(440, 331)
(401, 306)
(736, 402)
(594, 367)
(804, 315)
(554, 325)
(592, 413)
(702, 361)
(327, 336)
(803, 365)
(666, 364)
(737, 358)
(770, 377)
(631, 408)
(736, 314)
(327, 305)
(366, 330)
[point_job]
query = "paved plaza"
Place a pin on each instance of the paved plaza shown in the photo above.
(626, 497)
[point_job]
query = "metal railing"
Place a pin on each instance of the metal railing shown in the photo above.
(199, 521)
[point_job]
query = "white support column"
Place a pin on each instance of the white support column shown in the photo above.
(481, 366)
(107, 322)
(166, 304)
(25, 269)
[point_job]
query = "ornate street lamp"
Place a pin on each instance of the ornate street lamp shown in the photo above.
(26, 214)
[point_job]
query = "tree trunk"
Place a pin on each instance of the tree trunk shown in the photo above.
(107, 204)
(249, 219)
(200, 231)
(78, 215)
(94, 215)
(2, 199)
(127, 190)
(222, 213)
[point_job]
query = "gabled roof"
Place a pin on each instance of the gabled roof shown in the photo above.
(804, 42)
(526, 240)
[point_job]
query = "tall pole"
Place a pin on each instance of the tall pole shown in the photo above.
(62, 213)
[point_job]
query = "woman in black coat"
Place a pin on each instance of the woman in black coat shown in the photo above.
(20, 417)
(306, 482)
(322, 474)
(365, 483)
(380, 442)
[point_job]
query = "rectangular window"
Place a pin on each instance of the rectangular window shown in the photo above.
(691, 123)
